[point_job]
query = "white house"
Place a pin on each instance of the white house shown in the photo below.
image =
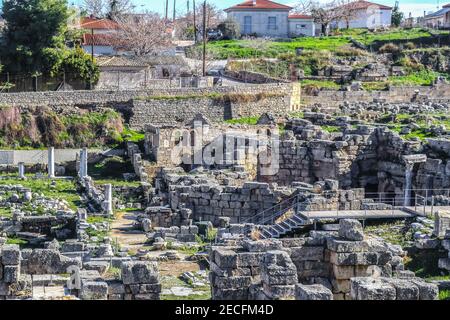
(301, 25)
(99, 36)
(438, 19)
(270, 19)
(365, 14)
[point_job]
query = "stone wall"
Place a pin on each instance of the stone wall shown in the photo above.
(326, 260)
(217, 106)
(164, 106)
(333, 98)
(362, 157)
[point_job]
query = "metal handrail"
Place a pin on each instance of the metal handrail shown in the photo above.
(265, 214)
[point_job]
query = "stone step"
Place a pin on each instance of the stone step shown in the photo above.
(286, 225)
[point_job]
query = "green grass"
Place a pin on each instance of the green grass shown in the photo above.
(392, 232)
(132, 135)
(5, 212)
(16, 241)
(247, 49)
(331, 129)
(446, 277)
(321, 84)
(101, 235)
(63, 190)
(246, 121)
(418, 78)
(98, 219)
(444, 295)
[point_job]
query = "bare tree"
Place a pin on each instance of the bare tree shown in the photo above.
(96, 8)
(116, 8)
(142, 34)
(327, 13)
(108, 8)
(213, 17)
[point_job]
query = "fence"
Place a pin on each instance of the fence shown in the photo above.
(108, 80)
(24, 82)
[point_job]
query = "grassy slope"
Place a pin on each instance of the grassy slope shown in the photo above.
(248, 49)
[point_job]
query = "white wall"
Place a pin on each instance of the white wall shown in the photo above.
(13, 157)
(100, 50)
(370, 18)
(260, 22)
(296, 29)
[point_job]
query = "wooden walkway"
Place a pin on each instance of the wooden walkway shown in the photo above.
(357, 214)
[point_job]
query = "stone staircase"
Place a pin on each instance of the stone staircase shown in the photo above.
(271, 224)
(283, 227)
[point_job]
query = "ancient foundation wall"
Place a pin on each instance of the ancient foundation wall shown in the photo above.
(333, 98)
(329, 261)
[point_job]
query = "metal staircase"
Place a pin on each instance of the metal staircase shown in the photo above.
(270, 220)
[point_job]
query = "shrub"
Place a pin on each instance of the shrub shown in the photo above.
(409, 46)
(389, 48)
(230, 29)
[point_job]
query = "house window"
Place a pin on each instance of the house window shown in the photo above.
(300, 26)
(272, 23)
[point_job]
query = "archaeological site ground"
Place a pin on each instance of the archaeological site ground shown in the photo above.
(253, 170)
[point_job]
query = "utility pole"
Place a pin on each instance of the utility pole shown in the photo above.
(204, 38)
(188, 9)
(174, 11)
(195, 23)
(167, 9)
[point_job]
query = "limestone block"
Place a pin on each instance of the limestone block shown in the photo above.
(441, 223)
(278, 292)
(405, 290)
(343, 272)
(427, 291)
(225, 258)
(94, 290)
(45, 261)
(100, 266)
(312, 292)
(444, 263)
(10, 254)
(355, 258)
(347, 246)
(262, 245)
(307, 253)
(11, 274)
(5, 289)
(371, 289)
(138, 272)
(230, 294)
(116, 288)
(306, 269)
(340, 285)
(249, 259)
(350, 229)
(72, 246)
(150, 288)
(232, 282)
(147, 296)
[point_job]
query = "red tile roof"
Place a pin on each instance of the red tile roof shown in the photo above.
(362, 4)
(260, 4)
(299, 16)
(99, 40)
(446, 6)
(93, 23)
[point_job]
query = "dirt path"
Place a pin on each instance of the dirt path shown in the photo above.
(122, 230)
